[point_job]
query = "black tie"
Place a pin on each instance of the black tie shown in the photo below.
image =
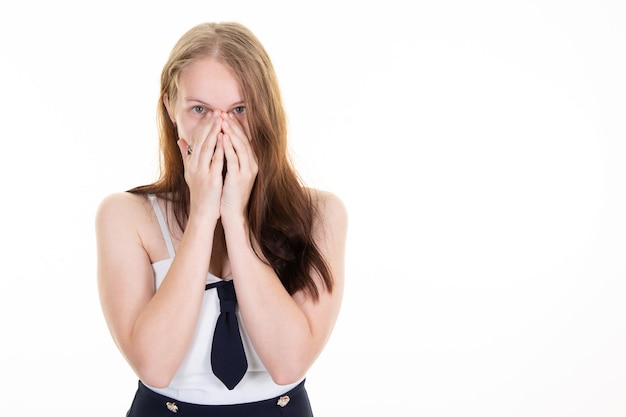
(228, 359)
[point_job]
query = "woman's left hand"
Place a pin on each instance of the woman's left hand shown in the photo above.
(241, 169)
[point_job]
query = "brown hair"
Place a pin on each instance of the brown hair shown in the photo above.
(280, 210)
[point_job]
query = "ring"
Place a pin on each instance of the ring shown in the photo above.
(189, 150)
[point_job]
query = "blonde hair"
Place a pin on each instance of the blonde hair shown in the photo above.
(280, 211)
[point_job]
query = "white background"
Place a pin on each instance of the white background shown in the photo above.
(478, 145)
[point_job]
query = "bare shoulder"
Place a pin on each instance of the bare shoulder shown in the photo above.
(125, 231)
(331, 209)
(121, 207)
(125, 217)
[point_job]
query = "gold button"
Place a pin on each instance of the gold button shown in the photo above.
(172, 407)
(282, 401)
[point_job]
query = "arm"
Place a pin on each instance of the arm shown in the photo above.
(289, 332)
(153, 330)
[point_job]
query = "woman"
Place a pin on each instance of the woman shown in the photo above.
(228, 212)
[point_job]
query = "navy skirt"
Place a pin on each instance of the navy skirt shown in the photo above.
(147, 403)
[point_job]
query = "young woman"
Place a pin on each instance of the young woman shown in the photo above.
(226, 236)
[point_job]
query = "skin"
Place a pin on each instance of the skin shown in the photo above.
(154, 329)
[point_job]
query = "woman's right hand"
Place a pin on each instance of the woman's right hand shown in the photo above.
(203, 160)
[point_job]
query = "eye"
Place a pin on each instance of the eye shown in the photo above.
(198, 109)
(239, 110)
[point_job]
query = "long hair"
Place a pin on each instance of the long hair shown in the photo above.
(280, 210)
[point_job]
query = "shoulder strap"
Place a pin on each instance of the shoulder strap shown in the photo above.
(163, 224)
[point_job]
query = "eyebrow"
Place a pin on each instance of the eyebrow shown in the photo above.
(197, 100)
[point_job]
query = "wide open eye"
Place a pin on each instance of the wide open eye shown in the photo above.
(198, 109)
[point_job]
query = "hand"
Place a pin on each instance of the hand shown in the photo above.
(203, 159)
(241, 169)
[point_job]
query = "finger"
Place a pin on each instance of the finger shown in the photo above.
(240, 137)
(235, 133)
(241, 145)
(234, 126)
(217, 161)
(182, 144)
(210, 135)
(232, 160)
(184, 147)
(203, 133)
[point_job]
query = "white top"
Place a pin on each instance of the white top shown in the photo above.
(194, 382)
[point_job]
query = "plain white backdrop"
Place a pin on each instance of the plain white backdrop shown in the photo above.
(479, 147)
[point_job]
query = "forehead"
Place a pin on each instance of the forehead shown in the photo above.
(209, 81)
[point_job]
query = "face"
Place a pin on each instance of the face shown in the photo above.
(205, 86)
